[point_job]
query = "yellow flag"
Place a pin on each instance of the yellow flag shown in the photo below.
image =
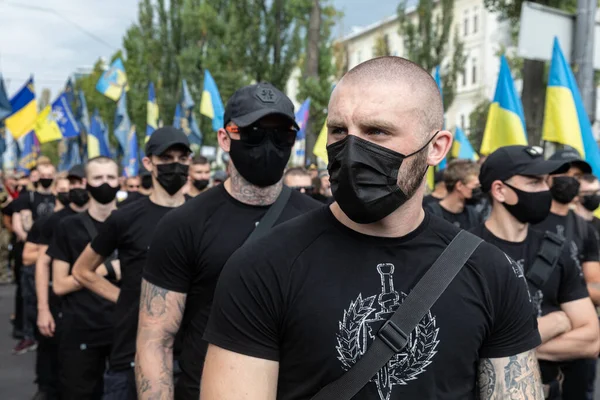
(46, 128)
(320, 149)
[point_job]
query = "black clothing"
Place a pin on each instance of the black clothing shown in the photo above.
(430, 199)
(131, 197)
(312, 294)
(187, 254)
(467, 219)
(39, 204)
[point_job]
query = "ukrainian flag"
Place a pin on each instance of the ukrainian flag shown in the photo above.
(29, 152)
(152, 112)
(506, 122)
(96, 141)
(46, 128)
(112, 82)
(461, 148)
(24, 111)
(211, 104)
(565, 118)
(320, 149)
(130, 160)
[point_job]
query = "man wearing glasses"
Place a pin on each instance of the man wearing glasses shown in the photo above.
(192, 243)
(299, 179)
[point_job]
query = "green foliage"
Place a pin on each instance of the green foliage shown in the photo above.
(427, 38)
(382, 47)
(477, 120)
(511, 9)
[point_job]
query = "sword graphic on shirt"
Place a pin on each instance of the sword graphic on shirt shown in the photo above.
(356, 333)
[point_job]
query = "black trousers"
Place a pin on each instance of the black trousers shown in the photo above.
(29, 301)
(18, 255)
(575, 385)
(47, 365)
(81, 371)
(120, 385)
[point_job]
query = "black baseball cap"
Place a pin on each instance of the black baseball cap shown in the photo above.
(77, 172)
(509, 161)
(573, 158)
(164, 138)
(251, 103)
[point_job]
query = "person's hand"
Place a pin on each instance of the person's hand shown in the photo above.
(45, 323)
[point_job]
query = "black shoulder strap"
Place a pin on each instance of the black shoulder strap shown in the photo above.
(393, 335)
(269, 219)
(546, 260)
(89, 225)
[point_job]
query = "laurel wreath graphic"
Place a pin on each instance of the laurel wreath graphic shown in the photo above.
(405, 366)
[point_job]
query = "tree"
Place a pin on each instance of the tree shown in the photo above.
(533, 72)
(427, 38)
(477, 121)
(382, 46)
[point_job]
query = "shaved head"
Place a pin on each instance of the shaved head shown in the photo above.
(404, 79)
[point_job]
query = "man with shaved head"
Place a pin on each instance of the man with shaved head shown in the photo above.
(295, 310)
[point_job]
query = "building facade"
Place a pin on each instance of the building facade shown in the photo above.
(483, 37)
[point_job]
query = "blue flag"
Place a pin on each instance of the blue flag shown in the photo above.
(177, 117)
(10, 155)
(211, 104)
(122, 122)
(70, 92)
(62, 114)
(188, 122)
(5, 107)
(130, 161)
(151, 112)
(69, 154)
(299, 150)
(97, 143)
(28, 152)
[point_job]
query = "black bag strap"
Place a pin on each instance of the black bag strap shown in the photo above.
(89, 226)
(393, 335)
(272, 215)
(546, 260)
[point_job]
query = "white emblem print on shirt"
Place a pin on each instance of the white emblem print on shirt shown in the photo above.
(356, 334)
(573, 249)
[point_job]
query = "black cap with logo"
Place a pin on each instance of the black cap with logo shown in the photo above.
(164, 138)
(573, 158)
(509, 161)
(77, 172)
(251, 103)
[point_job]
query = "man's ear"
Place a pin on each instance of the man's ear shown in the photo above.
(224, 140)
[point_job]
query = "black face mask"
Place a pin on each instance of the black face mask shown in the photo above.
(46, 183)
(63, 197)
(364, 178)
(172, 177)
(564, 189)
(532, 207)
(104, 193)
(590, 202)
(476, 196)
(147, 182)
(261, 165)
(79, 197)
(200, 184)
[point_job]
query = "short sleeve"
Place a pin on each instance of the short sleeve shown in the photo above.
(107, 239)
(35, 233)
(246, 309)
(514, 325)
(169, 264)
(591, 247)
(572, 287)
(21, 203)
(58, 248)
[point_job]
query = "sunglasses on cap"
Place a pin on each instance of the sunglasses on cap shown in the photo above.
(256, 135)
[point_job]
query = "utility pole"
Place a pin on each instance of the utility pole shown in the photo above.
(583, 53)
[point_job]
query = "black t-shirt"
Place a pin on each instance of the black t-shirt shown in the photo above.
(52, 223)
(128, 230)
(596, 224)
(131, 197)
(563, 286)
(430, 199)
(35, 234)
(467, 219)
(87, 317)
(187, 254)
(39, 204)
(9, 209)
(584, 245)
(313, 293)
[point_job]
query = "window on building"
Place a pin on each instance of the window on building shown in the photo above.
(464, 78)
(466, 24)
(474, 71)
(462, 121)
(475, 20)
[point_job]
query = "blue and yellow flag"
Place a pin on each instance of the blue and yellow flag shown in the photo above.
(113, 81)
(122, 122)
(462, 148)
(211, 104)
(24, 111)
(46, 128)
(177, 117)
(299, 150)
(320, 149)
(188, 122)
(63, 115)
(565, 118)
(151, 112)
(506, 122)
(96, 140)
(28, 152)
(130, 160)
(5, 107)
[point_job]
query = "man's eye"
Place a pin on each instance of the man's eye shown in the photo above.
(338, 131)
(375, 132)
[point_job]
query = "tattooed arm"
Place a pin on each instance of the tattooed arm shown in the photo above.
(515, 377)
(161, 312)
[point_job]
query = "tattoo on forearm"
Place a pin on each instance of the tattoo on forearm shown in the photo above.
(516, 377)
(153, 299)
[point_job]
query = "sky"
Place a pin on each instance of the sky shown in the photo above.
(52, 38)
